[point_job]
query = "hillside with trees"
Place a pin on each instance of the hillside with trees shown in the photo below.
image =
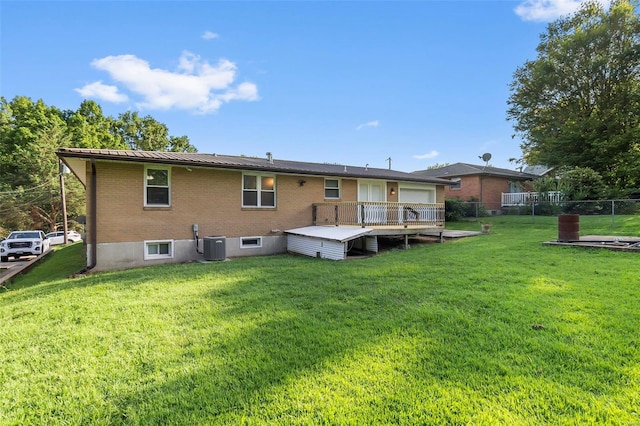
(30, 134)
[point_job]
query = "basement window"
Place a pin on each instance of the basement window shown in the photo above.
(158, 249)
(251, 242)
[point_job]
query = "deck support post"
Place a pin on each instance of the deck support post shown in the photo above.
(406, 241)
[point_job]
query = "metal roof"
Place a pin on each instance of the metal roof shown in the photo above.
(335, 233)
(538, 170)
(245, 163)
(464, 169)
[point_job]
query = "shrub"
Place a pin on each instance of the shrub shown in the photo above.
(456, 209)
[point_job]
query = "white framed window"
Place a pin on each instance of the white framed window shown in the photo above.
(258, 190)
(332, 188)
(250, 242)
(157, 186)
(455, 183)
(161, 249)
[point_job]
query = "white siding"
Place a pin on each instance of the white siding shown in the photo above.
(372, 244)
(309, 246)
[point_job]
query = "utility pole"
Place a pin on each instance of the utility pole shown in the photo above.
(64, 202)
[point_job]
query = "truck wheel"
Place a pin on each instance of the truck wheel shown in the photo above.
(4, 258)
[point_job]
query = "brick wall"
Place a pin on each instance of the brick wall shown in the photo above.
(492, 189)
(210, 198)
(470, 186)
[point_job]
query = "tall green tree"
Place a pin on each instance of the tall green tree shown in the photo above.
(30, 134)
(88, 127)
(147, 134)
(578, 103)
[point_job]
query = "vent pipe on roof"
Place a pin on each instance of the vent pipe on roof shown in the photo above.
(269, 158)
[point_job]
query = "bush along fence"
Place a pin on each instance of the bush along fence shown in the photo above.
(475, 210)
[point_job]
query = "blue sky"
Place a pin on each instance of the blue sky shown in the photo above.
(420, 82)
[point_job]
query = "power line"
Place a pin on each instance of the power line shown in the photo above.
(28, 189)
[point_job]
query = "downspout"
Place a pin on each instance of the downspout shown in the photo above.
(94, 214)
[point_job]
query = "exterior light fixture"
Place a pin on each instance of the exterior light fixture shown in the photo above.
(393, 191)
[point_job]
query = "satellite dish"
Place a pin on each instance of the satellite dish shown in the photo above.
(486, 157)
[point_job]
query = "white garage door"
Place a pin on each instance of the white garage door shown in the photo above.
(412, 195)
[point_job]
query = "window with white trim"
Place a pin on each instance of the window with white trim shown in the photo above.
(332, 188)
(157, 186)
(250, 242)
(162, 249)
(455, 183)
(258, 190)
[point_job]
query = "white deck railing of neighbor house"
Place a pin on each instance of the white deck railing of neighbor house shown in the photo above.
(524, 198)
(379, 214)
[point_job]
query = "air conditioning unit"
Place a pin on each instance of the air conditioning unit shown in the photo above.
(215, 248)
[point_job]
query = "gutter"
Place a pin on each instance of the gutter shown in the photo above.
(94, 219)
(354, 171)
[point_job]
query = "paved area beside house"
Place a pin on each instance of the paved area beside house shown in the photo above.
(9, 270)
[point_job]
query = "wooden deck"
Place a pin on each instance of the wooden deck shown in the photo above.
(382, 216)
(423, 231)
(608, 242)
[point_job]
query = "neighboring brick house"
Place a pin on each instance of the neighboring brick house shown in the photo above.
(485, 184)
(154, 207)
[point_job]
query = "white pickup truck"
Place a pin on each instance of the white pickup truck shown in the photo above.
(23, 243)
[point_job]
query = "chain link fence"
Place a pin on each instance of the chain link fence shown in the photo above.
(612, 211)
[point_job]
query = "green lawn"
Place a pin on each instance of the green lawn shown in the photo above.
(493, 329)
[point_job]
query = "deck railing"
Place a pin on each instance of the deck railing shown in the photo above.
(372, 213)
(524, 198)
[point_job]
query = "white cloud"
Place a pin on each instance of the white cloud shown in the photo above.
(549, 10)
(103, 92)
(428, 155)
(374, 123)
(208, 35)
(196, 85)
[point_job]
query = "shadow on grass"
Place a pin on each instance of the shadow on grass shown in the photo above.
(296, 340)
(282, 332)
(465, 339)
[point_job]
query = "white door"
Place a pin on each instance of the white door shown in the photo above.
(372, 191)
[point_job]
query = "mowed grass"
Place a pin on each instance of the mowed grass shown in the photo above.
(493, 329)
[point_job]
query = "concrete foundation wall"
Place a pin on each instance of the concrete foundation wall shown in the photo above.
(131, 254)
